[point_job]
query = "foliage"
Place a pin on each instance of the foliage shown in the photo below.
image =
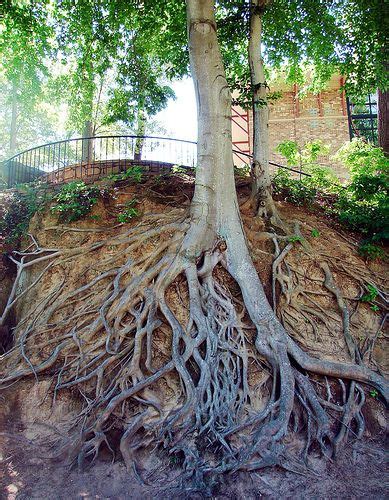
(133, 174)
(293, 190)
(113, 67)
(17, 211)
(371, 295)
(315, 233)
(365, 25)
(74, 201)
(295, 239)
(243, 170)
(25, 45)
(362, 205)
(129, 212)
(371, 251)
(177, 169)
(374, 393)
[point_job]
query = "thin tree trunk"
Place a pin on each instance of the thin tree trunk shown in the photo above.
(261, 196)
(87, 145)
(13, 126)
(140, 131)
(383, 120)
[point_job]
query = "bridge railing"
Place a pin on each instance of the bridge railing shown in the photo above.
(89, 157)
(96, 157)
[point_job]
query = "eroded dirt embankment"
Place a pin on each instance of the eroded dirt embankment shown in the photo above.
(31, 418)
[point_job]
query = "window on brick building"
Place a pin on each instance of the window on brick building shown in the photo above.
(362, 118)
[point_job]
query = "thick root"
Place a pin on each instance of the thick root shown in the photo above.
(178, 370)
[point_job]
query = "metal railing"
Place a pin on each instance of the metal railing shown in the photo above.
(246, 158)
(92, 157)
(95, 157)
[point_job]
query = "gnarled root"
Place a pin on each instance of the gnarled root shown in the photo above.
(163, 352)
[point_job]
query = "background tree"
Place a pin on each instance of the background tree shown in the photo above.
(348, 40)
(25, 45)
(139, 92)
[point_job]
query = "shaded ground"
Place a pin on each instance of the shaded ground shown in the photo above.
(358, 473)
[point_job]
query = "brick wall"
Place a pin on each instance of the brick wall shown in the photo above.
(306, 118)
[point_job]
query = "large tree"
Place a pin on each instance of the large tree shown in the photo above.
(195, 398)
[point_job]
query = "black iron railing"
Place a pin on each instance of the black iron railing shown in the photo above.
(96, 157)
(92, 157)
(246, 159)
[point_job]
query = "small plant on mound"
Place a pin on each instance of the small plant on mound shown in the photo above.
(177, 169)
(133, 174)
(370, 296)
(74, 201)
(371, 251)
(129, 212)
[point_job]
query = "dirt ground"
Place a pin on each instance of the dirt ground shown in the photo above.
(27, 472)
(358, 473)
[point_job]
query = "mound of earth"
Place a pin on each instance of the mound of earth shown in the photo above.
(309, 280)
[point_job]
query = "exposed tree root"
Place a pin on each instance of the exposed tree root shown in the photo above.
(180, 378)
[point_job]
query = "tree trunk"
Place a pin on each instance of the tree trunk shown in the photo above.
(87, 144)
(261, 196)
(383, 120)
(140, 132)
(13, 125)
(215, 193)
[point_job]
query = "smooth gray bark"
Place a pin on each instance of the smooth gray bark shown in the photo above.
(87, 145)
(383, 120)
(261, 188)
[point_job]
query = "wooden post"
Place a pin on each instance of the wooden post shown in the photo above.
(343, 96)
(296, 101)
(320, 104)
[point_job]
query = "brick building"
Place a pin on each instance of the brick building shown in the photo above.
(301, 119)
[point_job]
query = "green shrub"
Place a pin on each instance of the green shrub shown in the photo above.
(18, 210)
(129, 212)
(74, 201)
(362, 205)
(371, 251)
(293, 190)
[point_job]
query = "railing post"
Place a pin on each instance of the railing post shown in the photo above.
(7, 166)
